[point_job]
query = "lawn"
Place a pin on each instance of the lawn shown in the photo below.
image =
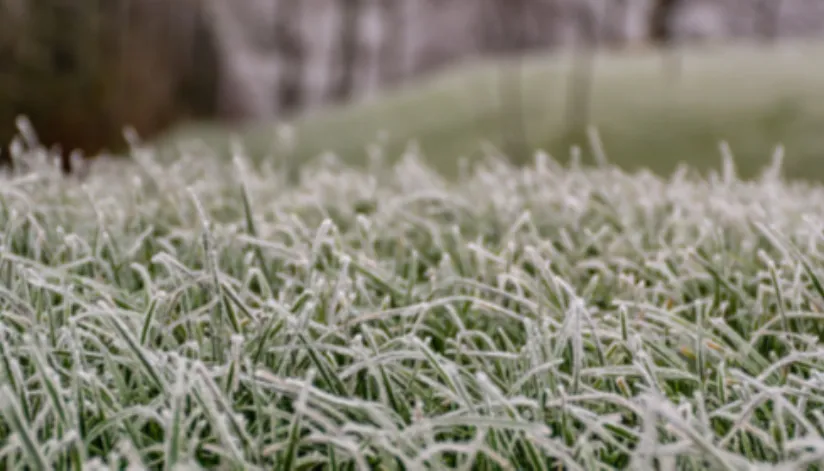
(754, 98)
(199, 314)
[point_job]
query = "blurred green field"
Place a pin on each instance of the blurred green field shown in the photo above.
(752, 97)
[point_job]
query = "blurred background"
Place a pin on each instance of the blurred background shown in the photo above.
(81, 70)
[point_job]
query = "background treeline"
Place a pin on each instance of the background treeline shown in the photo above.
(81, 70)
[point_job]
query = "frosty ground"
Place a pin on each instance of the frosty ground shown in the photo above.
(203, 312)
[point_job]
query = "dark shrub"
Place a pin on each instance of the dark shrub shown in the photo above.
(82, 70)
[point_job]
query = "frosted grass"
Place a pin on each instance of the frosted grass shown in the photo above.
(201, 314)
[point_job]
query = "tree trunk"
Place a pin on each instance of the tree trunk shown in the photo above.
(350, 14)
(661, 21)
(200, 82)
(394, 36)
(767, 15)
(289, 46)
(506, 32)
(662, 34)
(580, 82)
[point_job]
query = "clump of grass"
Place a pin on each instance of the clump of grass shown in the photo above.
(202, 314)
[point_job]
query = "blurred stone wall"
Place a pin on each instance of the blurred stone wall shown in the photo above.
(83, 69)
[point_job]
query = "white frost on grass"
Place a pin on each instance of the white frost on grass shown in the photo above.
(207, 312)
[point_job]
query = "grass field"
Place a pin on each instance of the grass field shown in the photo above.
(754, 98)
(202, 315)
